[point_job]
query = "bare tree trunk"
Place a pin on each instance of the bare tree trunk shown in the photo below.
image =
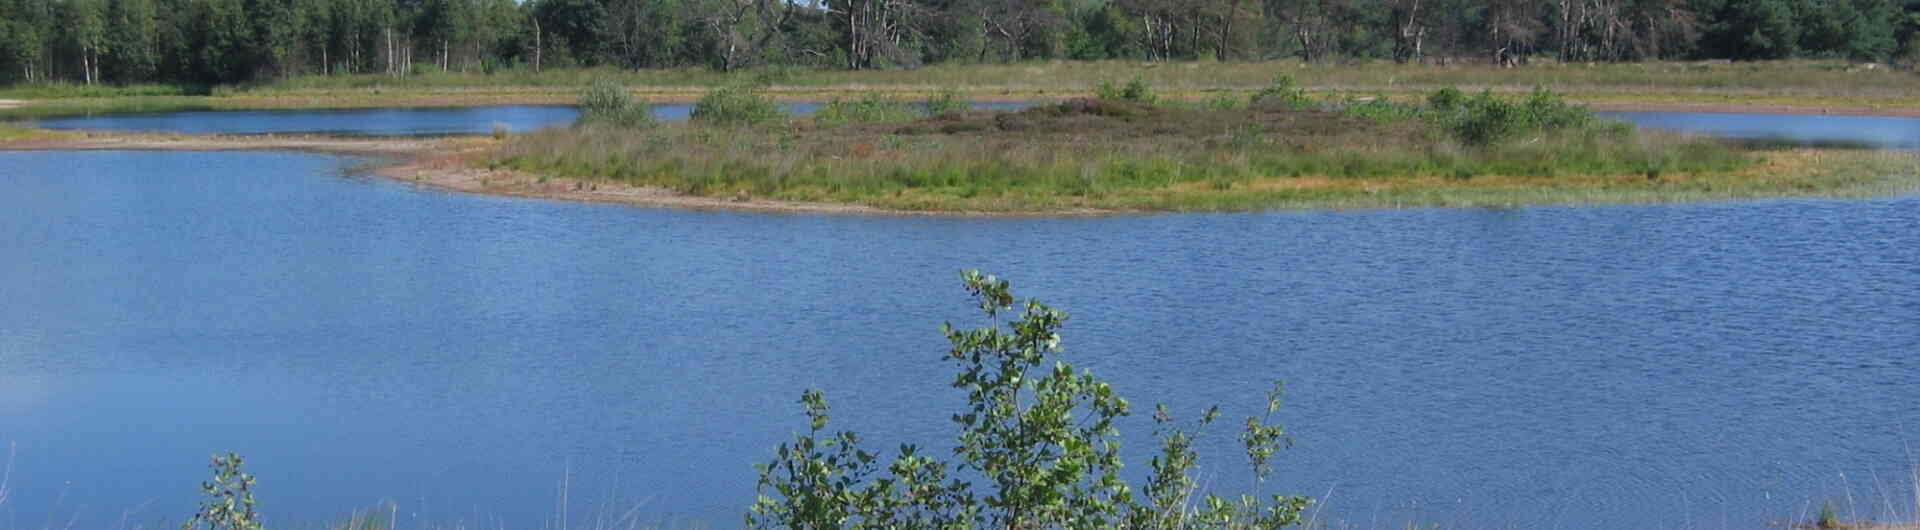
(1226, 31)
(536, 45)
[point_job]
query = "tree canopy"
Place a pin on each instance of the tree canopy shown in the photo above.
(229, 41)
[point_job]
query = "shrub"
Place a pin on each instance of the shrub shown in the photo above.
(1039, 439)
(1136, 90)
(872, 107)
(736, 105)
(1284, 92)
(948, 100)
(608, 103)
(229, 498)
(1484, 119)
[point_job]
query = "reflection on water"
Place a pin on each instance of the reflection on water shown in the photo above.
(362, 340)
(377, 122)
(1870, 131)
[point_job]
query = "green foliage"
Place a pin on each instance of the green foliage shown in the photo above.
(872, 107)
(1828, 517)
(229, 498)
(1284, 92)
(736, 105)
(1484, 119)
(608, 103)
(1380, 109)
(1040, 435)
(1136, 90)
(1220, 102)
(948, 100)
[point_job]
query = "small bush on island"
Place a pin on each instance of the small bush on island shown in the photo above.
(608, 103)
(1137, 90)
(1039, 439)
(1484, 119)
(736, 105)
(1283, 93)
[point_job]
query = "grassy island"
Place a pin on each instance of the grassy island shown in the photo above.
(1126, 150)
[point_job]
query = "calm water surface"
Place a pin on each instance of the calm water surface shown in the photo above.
(363, 341)
(1887, 132)
(377, 122)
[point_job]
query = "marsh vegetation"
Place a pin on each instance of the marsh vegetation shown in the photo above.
(1131, 149)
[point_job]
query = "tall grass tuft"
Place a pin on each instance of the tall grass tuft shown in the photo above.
(736, 105)
(949, 99)
(607, 102)
(872, 107)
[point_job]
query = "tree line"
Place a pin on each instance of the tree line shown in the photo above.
(236, 41)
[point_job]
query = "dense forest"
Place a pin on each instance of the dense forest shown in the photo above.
(234, 41)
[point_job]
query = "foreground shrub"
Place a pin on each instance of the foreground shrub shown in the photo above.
(229, 498)
(608, 103)
(736, 105)
(1038, 444)
(872, 107)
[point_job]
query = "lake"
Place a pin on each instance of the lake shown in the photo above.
(1879, 131)
(424, 121)
(468, 358)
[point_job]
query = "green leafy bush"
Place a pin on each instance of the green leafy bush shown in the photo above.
(608, 103)
(872, 107)
(1038, 440)
(1136, 90)
(1284, 92)
(1485, 119)
(736, 105)
(229, 498)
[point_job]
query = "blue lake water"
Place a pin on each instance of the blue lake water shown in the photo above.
(424, 121)
(1878, 131)
(1886, 132)
(462, 357)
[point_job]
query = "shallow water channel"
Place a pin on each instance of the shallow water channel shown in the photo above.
(364, 341)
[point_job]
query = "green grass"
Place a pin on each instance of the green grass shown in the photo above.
(1212, 84)
(60, 90)
(119, 105)
(16, 133)
(1127, 156)
(1807, 82)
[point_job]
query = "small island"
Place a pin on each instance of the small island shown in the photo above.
(1125, 150)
